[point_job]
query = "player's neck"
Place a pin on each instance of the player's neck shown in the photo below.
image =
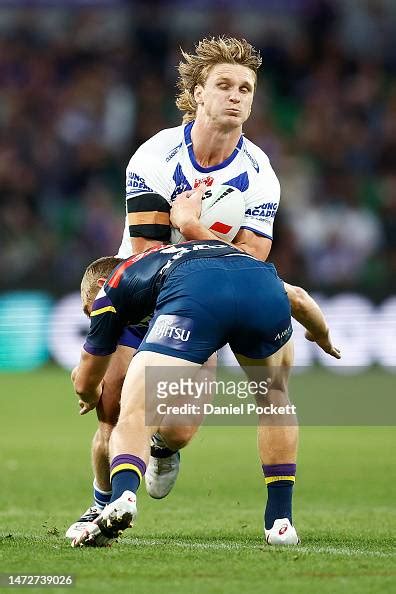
(213, 146)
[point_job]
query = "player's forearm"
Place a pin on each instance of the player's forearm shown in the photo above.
(90, 394)
(141, 244)
(87, 377)
(193, 229)
(88, 388)
(306, 311)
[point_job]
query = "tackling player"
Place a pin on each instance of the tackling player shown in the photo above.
(189, 324)
(217, 85)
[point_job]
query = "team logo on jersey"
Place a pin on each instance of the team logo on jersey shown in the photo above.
(267, 210)
(208, 181)
(136, 183)
(173, 152)
(252, 160)
(171, 331)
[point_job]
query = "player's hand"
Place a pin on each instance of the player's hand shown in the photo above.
(324, 341)
(187, 207)
(86, 407)
(73, 374)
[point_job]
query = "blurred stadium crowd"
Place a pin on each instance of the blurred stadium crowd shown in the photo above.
(80, 89)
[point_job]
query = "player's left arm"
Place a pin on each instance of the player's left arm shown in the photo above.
(261, 205)
(306, 311)
(87, 379)
(253, 244)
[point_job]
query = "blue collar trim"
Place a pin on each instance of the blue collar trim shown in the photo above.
(198, 167)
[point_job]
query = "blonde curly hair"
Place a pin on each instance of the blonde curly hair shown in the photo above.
(195, 68)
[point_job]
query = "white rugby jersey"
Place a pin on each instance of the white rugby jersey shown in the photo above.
(166, 164)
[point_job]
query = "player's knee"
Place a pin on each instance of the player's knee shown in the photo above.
(178, 437)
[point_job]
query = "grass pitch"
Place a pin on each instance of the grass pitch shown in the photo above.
(206, 536)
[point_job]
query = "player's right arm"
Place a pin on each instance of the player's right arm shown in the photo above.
(87, 379)
(147, 221)
(104, 332)
(306, 311)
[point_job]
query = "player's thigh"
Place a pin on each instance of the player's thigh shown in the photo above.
(276, 367)
(144, 388)
(179, 430)
(109, 406)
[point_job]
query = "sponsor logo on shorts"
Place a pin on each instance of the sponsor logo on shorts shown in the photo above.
(171, 331)
(284, 335)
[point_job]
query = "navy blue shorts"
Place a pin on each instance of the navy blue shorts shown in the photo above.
(206, 303)
(132, 336)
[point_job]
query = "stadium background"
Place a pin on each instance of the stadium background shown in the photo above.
(82, 84)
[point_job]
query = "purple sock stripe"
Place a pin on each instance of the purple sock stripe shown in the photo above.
(279, 470)
(128, 459)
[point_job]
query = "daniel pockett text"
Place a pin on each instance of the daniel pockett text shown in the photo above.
(188, 395)
(229, 409)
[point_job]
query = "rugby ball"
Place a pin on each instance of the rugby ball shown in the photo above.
(223, 211)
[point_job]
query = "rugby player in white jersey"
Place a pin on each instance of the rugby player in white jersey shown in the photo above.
(217, 85)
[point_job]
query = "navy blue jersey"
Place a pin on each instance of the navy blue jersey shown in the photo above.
(130, 294)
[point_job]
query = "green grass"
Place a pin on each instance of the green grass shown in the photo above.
(207, 535)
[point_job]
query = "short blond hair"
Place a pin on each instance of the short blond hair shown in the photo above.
(209, 52)
(100, 268)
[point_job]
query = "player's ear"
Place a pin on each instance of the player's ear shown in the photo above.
(198, 94)
(101, 281)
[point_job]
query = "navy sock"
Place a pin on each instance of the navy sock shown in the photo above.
(101, 498)
(126, 472)
(280, 480)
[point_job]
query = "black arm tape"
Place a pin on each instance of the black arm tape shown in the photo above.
(147, 202)
(143, 205)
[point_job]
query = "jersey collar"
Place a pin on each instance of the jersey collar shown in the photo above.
(188, 141)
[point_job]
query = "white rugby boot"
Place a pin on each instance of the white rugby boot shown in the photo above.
(162, 471)
(78, 527)
(114, 519)
(282, 533)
